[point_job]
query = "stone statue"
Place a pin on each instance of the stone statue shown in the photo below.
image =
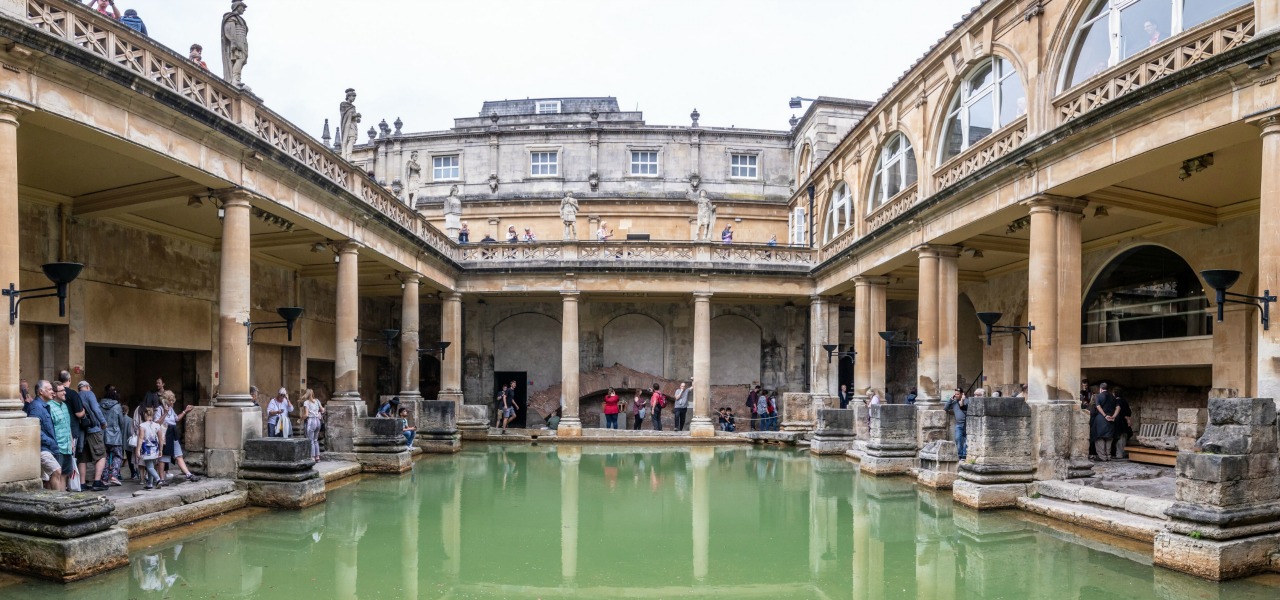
(569, 214)
(413, 175)
(706, 213)
(235, 43)
(453, 212)
(348, 123)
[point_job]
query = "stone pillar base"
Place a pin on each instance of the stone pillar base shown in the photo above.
(830, 445)
(1214, 559)
(20, 464)
(226, 429)
(439, 443)
(569, 427)
(292, 495)
(438, 427)
(399, 462)
(380, 447)
(931, 423)
(834, 434)
(279, 473)
(340, 424)
(886, 465)
(987, 496)
(1060, 439)
(702, 427)
(937, 465)
(59, 536)
(473, 421)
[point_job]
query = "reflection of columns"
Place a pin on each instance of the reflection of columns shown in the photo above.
(233, 303)
(869, 320)
(22, 435)
(451, 331)
(345, 573)
(1053, 299)
(701, 457)
(409, 543)
(451, 527)
(409, 339)
(1268, 256)
(701, 425)
(819, 368)
(936, 322)
(570, 422)
(570, 457)
(346, 355)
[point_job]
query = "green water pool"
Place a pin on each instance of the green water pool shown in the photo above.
(545, 522)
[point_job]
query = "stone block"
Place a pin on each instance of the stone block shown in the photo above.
(1213, 559)
(64, 560)
(1227, 493)
(987, 496)
(278, 451)
(1242, 411)
(193, 432)
(861, 421)
(287, 495)
(384, 462)
(999, 439)
(473, 421)
(886, 465)
(437, 416)
(1102, 497)
(1060, 490)
(1148, 507)
(222, 463)
(51, 514)
(835, 420)
(797, 411)
(227, 427)
(20, 437)
(937, 465)
(893, 431)
(340, 425)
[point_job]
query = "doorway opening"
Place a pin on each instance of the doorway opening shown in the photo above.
(501, 378)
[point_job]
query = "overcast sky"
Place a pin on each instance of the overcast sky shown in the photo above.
(429, 61)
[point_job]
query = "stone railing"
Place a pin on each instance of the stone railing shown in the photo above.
(983, 153)
(837, 245)
(654, 254)
(894, 207)
(1174, 55)
(78, 25)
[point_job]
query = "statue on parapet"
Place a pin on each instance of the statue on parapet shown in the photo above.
(453, 211)
(348, 124)
(413, 176)
(569, 214)
(706, 213)
(235, 44)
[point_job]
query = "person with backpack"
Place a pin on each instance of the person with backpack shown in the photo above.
(752, 398)
(117, 432)
(656, 402)
(773, 411)
(762, 408)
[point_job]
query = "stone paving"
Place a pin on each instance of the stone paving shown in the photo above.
(1151, 481)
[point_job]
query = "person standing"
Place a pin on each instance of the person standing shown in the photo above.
(115, 434)
(278, 415)
(197, 56)
(1124, 426)
(844, 396)
(726, 236)
(509, 413)
(106, 8)
(94, 451)
(912, 395)
(150, 441)
(682, 405)
(133, 21)
(512, 236)
(50, 466)
(656, 402)
(752, 397)
(958, 405)
(637, 410)
(500, 407)
(762, 408)
(464, 234)
(60, 414)
(611, 401)
(773, 410)
(1105, 412)
(312, 415)
(168, 417)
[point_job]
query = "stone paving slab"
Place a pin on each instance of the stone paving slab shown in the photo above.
(1112, 521)
(333, 470)
(1151, 481)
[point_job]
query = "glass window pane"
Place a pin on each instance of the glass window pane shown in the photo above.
(1013, 100)
(893, 180)
(952, 138)
(1092, 53)
(980, 78)
(910, 162)
(1144, 24)
(877, 191)
(1195, 12)
(981, 118)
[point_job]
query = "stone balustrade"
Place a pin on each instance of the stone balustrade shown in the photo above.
(894, 208)
(639, 254)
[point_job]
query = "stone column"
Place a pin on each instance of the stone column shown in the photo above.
(870, 295)
(346, 407)
(1269, 257)
(1053, 362)
(891, 449)
(948, 313)
(570, 422)
(19, 464)
(235, 416)
(701, 425)
(451, 331)
(819, 368)
(410, 339)
(927, 327)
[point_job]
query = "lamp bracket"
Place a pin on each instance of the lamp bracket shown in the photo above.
(16, 296)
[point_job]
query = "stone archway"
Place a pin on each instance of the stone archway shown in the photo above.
(636, 341)
(529, 343)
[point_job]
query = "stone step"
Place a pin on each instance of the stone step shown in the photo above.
(170, 496)
(333, 470)
(1071, 492)
(1109, 520)
(144, 524)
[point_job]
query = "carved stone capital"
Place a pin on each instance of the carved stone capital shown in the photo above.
(1052, 203)
(869, 280)
(937, 251)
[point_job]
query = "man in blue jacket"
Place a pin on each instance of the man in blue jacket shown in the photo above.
(38, 408)
(133, 21)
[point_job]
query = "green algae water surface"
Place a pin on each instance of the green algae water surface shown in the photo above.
(546, 522)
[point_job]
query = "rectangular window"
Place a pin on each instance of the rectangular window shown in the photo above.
(544, 164)
(444, 168)
(799, 227)
(644, 162)
(549, 107)
(743, 165)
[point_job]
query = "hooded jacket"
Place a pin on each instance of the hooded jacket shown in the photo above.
(116, 424)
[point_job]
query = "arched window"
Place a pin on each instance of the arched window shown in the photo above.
(988, 99)
(1114, 30)
(895, 171)
(1147, 293)
(838, 213)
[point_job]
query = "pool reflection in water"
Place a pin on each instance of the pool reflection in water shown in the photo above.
(608, 521)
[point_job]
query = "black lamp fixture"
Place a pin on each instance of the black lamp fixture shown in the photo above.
(796, 100)
(833, 350)
(290, 314)
(989, 319)
(388, 338)
(891, 341)
(440, 348)
(1221, 279)
(60, 273)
